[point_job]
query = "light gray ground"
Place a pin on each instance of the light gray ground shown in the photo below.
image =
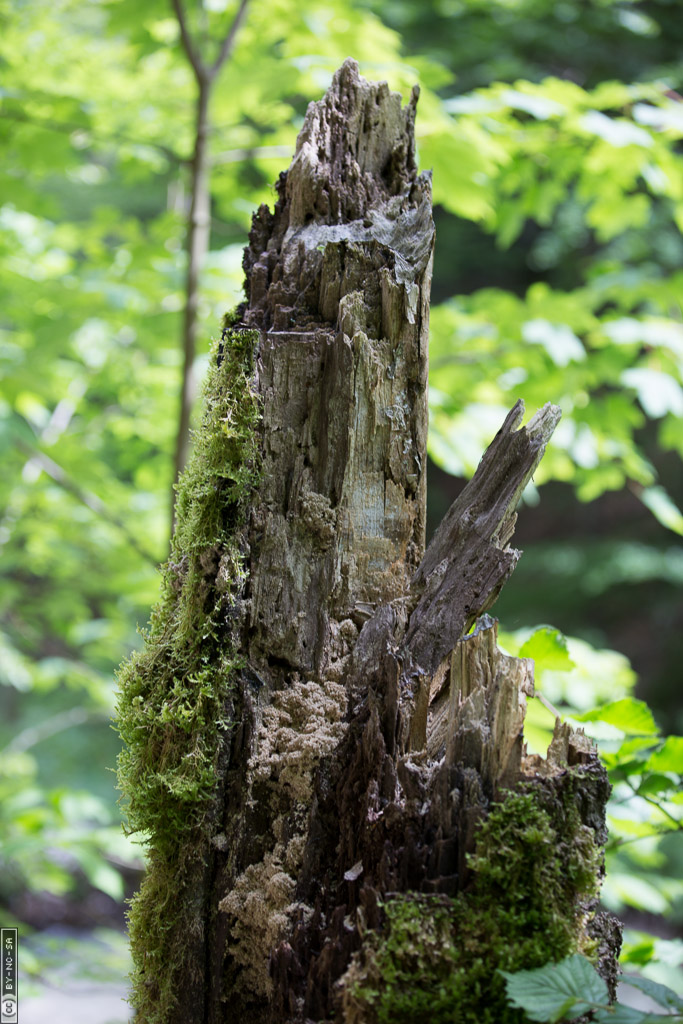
(68, 976)
(80, 1003)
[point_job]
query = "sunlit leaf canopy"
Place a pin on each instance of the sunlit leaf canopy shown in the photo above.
(553, 130)
(610, 349)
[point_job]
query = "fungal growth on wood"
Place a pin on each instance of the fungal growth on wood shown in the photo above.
(328, 760)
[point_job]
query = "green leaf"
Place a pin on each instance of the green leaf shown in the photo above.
(658, 393)
(649, 893)
(663, 508)
(104, 877)
(619, 1014)
(669, 757)
(661, 994)
(558, 340)
(550, 993)
(548, 647)
(655, 783)
(617, 133)
(631, 756)
(640, 952)
(632, 716)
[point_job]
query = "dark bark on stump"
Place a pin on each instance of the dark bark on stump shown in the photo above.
(370, 735)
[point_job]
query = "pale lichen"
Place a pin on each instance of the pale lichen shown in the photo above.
(342, 639)
(302, 723)
(257, 905)
(319, 516)
(261, 912)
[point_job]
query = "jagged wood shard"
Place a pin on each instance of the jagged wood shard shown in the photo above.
(369, 743)
(469, 560)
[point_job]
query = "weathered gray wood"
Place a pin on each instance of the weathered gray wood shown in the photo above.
(338, 283)
(368, 734)
(337, 280)
(468, 559)
(373, 708)
(476, 716)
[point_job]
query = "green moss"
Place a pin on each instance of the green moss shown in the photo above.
(436, 959)
(174, 695)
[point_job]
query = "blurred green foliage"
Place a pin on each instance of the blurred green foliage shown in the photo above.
(554, 130)
(644, 857)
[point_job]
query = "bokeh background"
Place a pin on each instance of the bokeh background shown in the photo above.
(554, 129)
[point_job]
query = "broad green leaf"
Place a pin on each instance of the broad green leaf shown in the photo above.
(631, 756)
(668, 116)
(658, 392)
(654, 784)
(639, 951)
(632, 890)
(669, 758)
(538, 106)
(652, 331)
(548, 647)
(15, 669)
(565, 989)
(538, 727)
(617, 132)
(632, 716)
(658, 959)
(619, 1014)
(102, 876)
(661, 994)
(630, 827)
(662, 508)
(559, 341)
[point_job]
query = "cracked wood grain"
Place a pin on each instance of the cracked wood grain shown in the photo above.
(370, 734)
(469, 558)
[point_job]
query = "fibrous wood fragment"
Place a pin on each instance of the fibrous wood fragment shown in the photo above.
(469, 560)
(477, 716)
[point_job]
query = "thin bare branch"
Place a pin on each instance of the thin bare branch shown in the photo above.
(655, 803)
(69, 127)
(199, 227)
(615, 844)
(35, 734)
(87, 498)
(229, 41)
(198, 66)
(234, 156)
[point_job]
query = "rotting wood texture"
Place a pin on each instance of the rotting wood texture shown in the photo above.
(371, 732)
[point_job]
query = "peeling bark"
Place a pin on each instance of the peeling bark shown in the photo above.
(372, 733)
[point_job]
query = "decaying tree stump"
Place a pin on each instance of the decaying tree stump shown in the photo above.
(343, 821)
